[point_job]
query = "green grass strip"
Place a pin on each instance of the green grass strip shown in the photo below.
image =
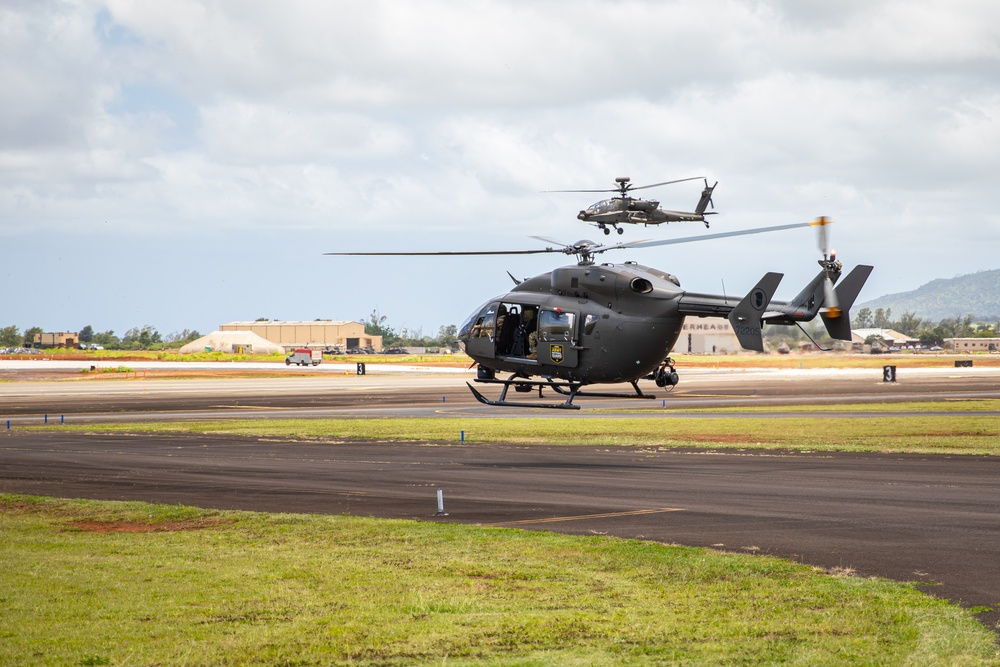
(959, 434)
(958, 405)
(104, 583)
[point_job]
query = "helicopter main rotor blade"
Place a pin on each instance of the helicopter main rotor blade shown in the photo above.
(448, 252)
(629, 188)
(595, 248)
(656, 185)
(611, 190)
(582, 247)
(547, 240)
(721, 235)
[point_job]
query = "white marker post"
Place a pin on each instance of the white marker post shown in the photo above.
(441, 511)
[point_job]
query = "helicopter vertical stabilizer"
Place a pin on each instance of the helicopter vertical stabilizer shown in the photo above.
(706, 198)
(746, 316)
(847, 291)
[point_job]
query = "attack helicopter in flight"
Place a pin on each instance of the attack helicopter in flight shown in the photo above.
(606, 323)
(625, 209)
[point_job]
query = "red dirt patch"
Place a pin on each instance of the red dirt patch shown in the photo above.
(721, 437)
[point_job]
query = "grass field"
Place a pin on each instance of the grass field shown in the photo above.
(94, 583)
(103, 583)
(947, 434)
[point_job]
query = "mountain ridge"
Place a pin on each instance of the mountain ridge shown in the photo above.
(976, 294)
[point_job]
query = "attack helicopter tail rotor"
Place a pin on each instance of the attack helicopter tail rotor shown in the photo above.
(831, 266)
(709, 189)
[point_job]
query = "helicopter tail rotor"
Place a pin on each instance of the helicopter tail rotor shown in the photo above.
(706, 198)
(831, 266)
(846, 292)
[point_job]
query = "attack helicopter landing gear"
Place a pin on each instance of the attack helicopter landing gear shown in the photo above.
(604, 228)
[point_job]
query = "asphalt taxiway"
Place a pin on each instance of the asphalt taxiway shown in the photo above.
(931, 519)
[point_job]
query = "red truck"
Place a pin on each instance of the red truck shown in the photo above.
(304, 357)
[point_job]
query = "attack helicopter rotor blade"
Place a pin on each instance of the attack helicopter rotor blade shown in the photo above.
(629, 187)
(656, 185)
(721, 235)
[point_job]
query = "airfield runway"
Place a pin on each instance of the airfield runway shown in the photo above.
(932, 519)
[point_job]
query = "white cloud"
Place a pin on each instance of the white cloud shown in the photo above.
(408, 125)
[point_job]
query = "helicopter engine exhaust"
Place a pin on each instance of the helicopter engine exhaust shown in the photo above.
(641, 286)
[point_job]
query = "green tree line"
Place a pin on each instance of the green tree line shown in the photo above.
(137, 338)
(926, 331)
(377, 325)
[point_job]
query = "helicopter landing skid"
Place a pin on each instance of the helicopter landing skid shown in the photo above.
(522, 384)
(569, 389)
(598, 394)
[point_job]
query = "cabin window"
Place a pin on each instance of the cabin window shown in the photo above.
(589, 323)
(483, 324)
(556, 325)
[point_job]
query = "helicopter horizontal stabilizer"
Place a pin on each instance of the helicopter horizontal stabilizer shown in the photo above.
(746, 316)
(847, 291)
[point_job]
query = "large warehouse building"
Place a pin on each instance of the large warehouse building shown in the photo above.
(318, 334)
(714, 336)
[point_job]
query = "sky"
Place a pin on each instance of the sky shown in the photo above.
(186, 164)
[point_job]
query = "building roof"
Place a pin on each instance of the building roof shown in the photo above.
(861, 335)
(223, 341)
(297, 323)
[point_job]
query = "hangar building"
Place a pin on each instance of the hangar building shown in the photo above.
(707, 336)
(318, 334)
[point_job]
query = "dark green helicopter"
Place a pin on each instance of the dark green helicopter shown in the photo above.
(626, 209)
(611, 323)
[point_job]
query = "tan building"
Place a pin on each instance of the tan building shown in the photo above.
(973, 344)
(706, 335)
(319, 334)
(57, 339)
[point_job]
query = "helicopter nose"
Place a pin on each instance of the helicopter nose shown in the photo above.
(581, 215)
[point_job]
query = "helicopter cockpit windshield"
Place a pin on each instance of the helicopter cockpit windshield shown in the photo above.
(604, 206)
